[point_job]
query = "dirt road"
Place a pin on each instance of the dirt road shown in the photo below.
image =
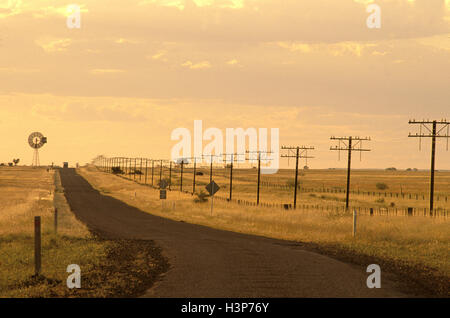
(206, 262)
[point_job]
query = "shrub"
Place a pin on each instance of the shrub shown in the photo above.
(117, 170)
(381, 186)
(291, 184)
(379, 200)
(202, 197)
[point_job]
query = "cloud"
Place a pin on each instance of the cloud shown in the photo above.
(200, 65)
(10, 8)
(105, 71)
(54, 45)
(87, 112)
(43, 10)
(126, 41)
(18, 70)
(159, 55)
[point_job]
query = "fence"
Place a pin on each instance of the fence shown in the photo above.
(182, 177)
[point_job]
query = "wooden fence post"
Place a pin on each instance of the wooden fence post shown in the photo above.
(56, 221)
(37, 245)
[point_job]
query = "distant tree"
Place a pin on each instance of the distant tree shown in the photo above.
(305, 168)
(10, 164)
(99, 158)
(16, 161)
(409, 169)
(391, 169)
(381, 186)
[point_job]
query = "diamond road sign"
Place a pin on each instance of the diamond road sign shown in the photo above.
(212, 188)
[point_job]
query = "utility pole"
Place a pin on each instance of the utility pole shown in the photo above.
(433, 133)
(232, 159)
(146, 168)
(194, 173)
(160, 171)
(182, 161)
(134, 173)
(259, 170)
(349, 144)
(170, 173)
(300, 152)
(140, 172)
(129, 167)
(211, 169)
(153, 171)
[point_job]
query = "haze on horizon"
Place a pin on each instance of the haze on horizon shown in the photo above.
(133, 73)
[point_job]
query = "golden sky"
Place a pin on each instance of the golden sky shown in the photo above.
(138, 69)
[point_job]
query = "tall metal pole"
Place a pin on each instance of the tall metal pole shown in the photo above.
(296, 178)
(433, 159)
(348, 172)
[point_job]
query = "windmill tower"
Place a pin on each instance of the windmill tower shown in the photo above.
(36, 141)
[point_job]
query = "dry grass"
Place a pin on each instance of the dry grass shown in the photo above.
(244, 186)
(25, 193)
(420, 242)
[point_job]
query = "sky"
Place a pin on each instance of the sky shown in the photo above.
(136, 70)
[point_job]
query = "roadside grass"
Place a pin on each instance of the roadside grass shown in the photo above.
(417, 246)
(107, 267)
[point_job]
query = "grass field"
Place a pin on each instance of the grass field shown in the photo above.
(27, 192)
(325, 188)
(417, 246)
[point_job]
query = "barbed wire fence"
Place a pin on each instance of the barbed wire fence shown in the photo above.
(239, 180)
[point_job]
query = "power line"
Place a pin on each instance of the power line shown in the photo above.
(349, 144)
(300, 152)
(259, 152)
(232, 159)
(433, 133)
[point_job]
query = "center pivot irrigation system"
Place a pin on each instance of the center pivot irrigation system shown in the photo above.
(428, 129)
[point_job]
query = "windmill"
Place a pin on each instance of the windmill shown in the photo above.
(36, 141)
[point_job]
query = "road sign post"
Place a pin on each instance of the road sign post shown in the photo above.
(212, 189)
